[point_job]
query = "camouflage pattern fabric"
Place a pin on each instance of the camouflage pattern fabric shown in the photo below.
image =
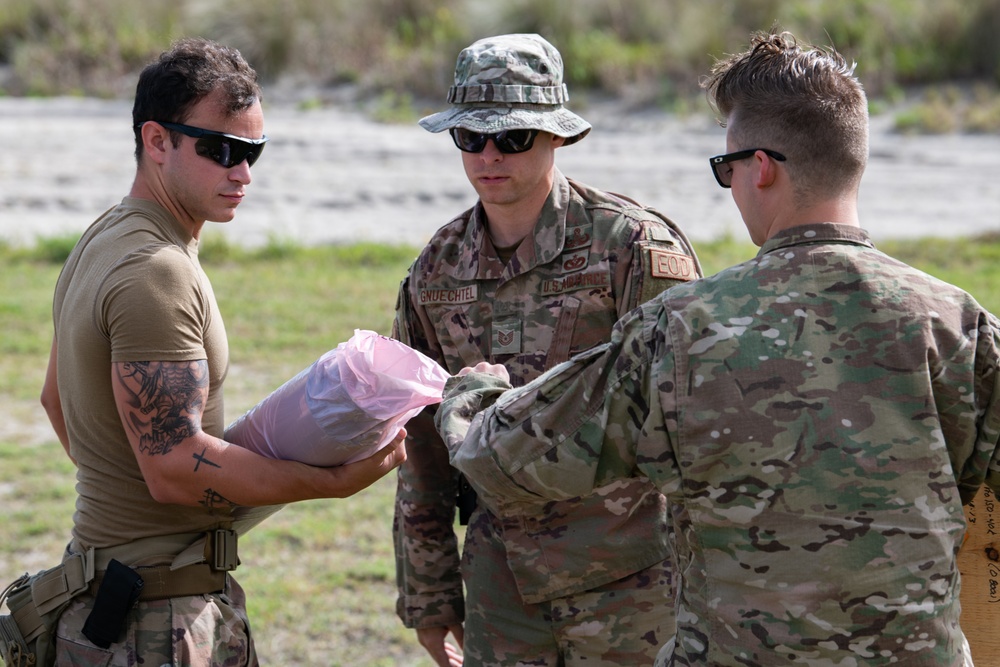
(592, 258)
(195, 631)
(509, 82)
(816, 416)
(620, 623)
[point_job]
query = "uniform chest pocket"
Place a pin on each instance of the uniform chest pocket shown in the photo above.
(462, 335)
(529, 337)
(582, 324)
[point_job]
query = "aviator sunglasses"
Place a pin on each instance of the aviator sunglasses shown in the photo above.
(723, 170)
(507, 141)
(225, 149)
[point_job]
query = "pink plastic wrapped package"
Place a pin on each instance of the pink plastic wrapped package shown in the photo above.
(350, 403)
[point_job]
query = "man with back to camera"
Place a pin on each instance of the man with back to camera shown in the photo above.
(816, 416)
(134, 388)
(538, 270)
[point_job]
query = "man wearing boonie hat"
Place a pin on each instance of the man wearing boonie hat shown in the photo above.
(536, 272)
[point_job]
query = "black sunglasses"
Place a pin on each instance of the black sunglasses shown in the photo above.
(508, 141)
(225, 149)
(724, 173)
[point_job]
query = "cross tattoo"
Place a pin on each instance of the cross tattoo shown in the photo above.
(201, 459)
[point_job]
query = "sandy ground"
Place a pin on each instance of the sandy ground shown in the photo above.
(333, 176)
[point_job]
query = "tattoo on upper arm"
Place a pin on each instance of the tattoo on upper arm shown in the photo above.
(166, 401)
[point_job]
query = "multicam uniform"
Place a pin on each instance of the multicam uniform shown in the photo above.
(816, 416)
(591, 258)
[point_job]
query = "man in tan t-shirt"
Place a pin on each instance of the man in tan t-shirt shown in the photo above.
(134, 384)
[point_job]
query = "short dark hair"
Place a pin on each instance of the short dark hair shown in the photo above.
(803, 102)
(186, 73)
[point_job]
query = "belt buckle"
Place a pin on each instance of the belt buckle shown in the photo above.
(224, 555)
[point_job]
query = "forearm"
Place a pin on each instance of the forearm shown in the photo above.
(426, 546)
(160, 405)
(573, 429)
(204, 470)
(429, 580)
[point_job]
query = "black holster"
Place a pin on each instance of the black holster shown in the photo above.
(118, 593)
(466, 501)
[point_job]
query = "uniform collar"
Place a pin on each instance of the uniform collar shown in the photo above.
(543, 245)
(824, 232)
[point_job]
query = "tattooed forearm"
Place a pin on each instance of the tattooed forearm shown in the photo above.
(166, 400)
(215, 500)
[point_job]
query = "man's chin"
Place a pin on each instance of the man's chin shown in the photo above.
(224, 216)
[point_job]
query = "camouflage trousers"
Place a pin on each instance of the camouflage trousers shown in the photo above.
(624, 622)
(666, 656)
(195, 631)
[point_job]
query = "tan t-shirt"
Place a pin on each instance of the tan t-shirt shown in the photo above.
(131, 290)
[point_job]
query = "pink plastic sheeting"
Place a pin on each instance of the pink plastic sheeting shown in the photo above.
(346, 406)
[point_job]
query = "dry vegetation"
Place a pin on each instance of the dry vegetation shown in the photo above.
(394, 57)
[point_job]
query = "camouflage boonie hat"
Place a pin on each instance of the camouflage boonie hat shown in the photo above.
(509, 82)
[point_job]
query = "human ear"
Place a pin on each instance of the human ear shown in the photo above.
(155, 138)
(766, 170)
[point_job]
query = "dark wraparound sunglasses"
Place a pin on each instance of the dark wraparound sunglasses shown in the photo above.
(225, 149)
(508, 141)
(724, 172)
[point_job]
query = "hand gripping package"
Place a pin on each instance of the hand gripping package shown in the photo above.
(347, 405)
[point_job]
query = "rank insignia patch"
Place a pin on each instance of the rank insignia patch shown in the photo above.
(506, 337)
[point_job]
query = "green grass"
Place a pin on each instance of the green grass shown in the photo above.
(319, 575)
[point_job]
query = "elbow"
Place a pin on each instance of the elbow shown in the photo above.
(166, 494)
(50, 402)
(169, 490)
(171, 480)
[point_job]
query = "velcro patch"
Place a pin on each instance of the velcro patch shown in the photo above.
(574, 261)
(674, 265)
(430, 296)
(579, 236)
(576, 281)
(506, 337)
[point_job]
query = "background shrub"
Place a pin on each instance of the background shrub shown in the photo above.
(646, 51)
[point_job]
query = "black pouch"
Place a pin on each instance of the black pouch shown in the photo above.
(117, 594)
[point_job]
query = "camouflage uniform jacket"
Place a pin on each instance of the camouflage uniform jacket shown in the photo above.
(592, 258)
(816, 417)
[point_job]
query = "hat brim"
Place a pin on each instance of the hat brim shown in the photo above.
(491, 119)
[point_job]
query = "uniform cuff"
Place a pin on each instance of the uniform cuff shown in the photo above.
(429, 610)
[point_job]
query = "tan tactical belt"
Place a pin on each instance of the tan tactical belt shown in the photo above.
(201, 567)
(160, 582)
(216, 556)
